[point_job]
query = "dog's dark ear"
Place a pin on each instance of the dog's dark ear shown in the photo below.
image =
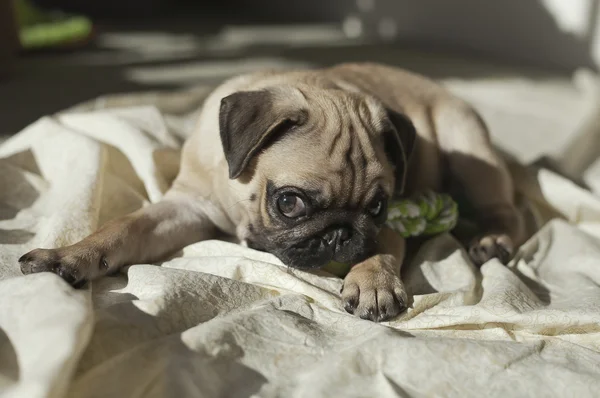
(399, 141)
(250, 120)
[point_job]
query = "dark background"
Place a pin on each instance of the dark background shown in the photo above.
(173, 39)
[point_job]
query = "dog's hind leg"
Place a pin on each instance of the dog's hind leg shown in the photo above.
(483, 178)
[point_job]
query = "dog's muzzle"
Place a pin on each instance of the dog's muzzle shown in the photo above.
(341, 244)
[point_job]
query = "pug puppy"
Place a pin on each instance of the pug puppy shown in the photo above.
(302, 164)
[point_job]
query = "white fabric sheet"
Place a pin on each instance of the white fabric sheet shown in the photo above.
(225, 321)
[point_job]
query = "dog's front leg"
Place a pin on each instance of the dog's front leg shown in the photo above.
(373, 289)
(147, 235)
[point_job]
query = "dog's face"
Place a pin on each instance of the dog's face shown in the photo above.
(322, 165)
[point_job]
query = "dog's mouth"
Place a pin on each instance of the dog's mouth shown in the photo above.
(309, 254)
(316, 253)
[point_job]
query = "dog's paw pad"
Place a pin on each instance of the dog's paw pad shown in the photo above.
(491, 246)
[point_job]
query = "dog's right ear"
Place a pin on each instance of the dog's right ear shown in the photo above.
(251, 120)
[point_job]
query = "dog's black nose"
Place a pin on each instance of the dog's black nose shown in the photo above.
(344, 234)
(338, 236)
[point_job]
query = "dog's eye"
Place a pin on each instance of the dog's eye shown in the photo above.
(376, 207)
(291, 205)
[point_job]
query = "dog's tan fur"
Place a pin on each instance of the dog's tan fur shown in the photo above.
(452, 144)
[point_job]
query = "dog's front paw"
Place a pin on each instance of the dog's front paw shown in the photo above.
(487, 247)
(73, 265)
(373, 293)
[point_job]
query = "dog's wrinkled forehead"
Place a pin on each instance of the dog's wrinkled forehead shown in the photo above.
(339, 107)
(338, 149)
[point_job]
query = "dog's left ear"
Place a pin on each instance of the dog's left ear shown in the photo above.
(250, 120)
(399, 141)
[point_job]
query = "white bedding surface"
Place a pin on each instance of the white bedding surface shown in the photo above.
(225, 321)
